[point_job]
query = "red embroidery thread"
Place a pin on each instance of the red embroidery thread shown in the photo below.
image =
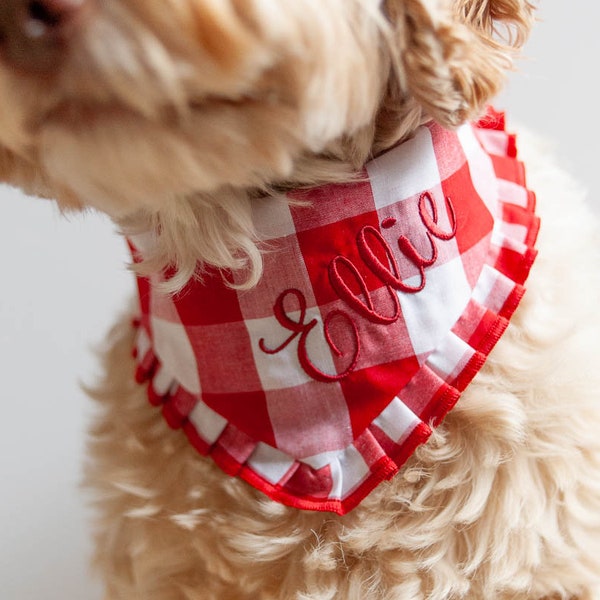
(296, 327)
(302, 329)
(388, 274)
(366, 307)
(390, 277)
(431, 222)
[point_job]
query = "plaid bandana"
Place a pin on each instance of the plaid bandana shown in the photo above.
(380, 301)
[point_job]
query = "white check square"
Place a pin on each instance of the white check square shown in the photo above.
(431, 313)
(405, 171)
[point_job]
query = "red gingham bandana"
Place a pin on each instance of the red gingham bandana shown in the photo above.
(380, 301)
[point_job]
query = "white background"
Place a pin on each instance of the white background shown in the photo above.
(61, 282)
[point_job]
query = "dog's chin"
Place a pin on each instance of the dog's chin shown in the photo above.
(119, 159)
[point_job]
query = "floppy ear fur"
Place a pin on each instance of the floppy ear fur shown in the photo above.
(454, 55)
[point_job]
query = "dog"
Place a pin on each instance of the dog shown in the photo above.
(210, 133)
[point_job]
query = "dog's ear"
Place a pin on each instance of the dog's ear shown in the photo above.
(454, 54)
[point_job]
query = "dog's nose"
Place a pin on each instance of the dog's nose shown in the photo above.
(34, 34)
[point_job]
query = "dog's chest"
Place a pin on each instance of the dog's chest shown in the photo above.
(380, 301)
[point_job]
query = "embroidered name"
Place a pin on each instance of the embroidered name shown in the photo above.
(343, 272)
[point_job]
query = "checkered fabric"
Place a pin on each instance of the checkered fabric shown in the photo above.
(380, 301)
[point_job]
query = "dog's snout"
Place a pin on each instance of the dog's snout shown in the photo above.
(34, 34)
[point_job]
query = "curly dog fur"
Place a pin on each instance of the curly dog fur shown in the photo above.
(173, 116)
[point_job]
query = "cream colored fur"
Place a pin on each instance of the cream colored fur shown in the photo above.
(503, 502)
(173, 116)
